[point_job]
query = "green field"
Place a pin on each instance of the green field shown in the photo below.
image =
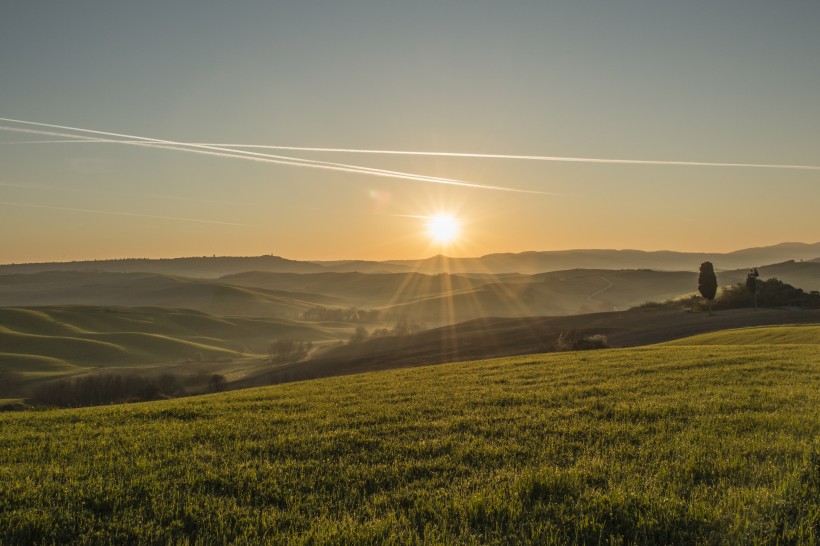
(44, 343)
(806, 334)
(692, 444)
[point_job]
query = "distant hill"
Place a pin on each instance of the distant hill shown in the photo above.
(206, 267)
(370, 289)
(805, 275)
(555, 293)
(431, 299)
(538, 262)
(524, 262)
(147, 289)
(363, 266)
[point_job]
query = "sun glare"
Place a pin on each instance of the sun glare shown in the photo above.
(443, 228)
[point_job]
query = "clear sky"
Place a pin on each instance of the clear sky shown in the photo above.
(704, 81)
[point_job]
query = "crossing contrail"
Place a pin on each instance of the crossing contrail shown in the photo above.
(236, 153)
(526, 157)
(117, 213)
(565, 159)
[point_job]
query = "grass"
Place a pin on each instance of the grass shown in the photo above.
(804, 334)
(663, 444)
(53, 342)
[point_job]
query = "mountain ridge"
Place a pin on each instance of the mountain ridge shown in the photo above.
(527, 262)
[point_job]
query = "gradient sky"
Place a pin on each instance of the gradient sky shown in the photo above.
(702, 81)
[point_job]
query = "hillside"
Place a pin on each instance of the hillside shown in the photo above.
(147, 289)
(446, 299)
(55, 342)
(494, 337)
(774, 335)
(363, 289)
(556, 293)
(684, 445)
(805, 274)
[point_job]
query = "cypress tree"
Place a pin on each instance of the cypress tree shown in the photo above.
(707, 283)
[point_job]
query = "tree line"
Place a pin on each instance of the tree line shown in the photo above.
(753, 292)
(336, 314)
(403, 327)
(111, 388)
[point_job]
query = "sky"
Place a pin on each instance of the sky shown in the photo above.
(712, 82)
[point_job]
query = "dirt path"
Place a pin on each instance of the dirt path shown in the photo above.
(591, 297)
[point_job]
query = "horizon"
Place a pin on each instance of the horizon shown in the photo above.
(388, 131)
(387, 260)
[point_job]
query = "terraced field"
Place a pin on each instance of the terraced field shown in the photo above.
(708, 441)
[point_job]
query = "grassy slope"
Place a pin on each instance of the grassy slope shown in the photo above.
(54, 341)
(804, 334)
(495, 337)
(663, 444)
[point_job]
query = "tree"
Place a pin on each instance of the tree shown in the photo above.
(287, 349)
(751, 284)
(217, 383)
(707, 283)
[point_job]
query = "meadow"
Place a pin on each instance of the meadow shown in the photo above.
(688, 444)
(39, 344)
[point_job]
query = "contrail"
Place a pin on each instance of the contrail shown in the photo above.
(117, 213)
(235, 153)
(565, 159)
(526, 157)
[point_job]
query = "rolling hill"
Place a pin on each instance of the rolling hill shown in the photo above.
(713, 444)
(495, 337)
(54, 342)
(805, 274)
(431, 299)
(147, 289)
(363, 289)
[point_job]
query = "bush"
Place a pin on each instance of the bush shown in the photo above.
(95, 390)
(770, 293)
(217, 383)
(575, 340)
(288, 349)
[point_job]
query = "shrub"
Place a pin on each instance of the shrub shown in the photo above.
(575, 340)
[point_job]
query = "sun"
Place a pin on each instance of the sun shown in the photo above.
(443, 228)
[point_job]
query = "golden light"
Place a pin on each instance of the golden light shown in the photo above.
(443, 228)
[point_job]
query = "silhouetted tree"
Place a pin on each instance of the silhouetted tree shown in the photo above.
(707, 283)
(751, 284)
(380, 332)
(217, 383)
(287, 348)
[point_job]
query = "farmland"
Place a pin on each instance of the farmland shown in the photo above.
(691, 443)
